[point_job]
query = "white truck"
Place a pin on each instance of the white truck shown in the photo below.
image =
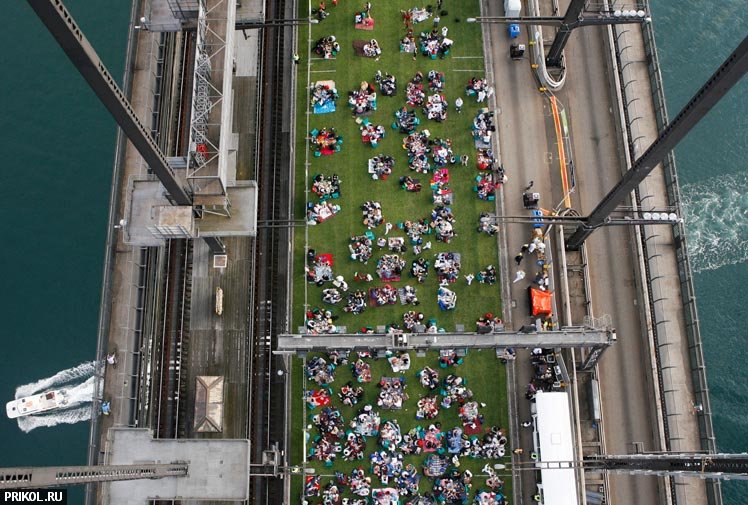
(512, 8)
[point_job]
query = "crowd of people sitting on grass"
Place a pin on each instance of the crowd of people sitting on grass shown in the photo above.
(414, 92)
(372, 212)
(390, 480)
(326, 187)
(383, 295)
(483, 126)
(361, 248)
(436, 80)
(361, 371)
(435, 43)
(442, 221)
(325, 141)
(486, 185)
(487, 224)
(320, 321)
(323, 94)
(371, 134)
(350, 395)
(485, 159)
(320, 212)
(390, 267)
(331, 296)
(406, 120)
(435, 107)
(380, 166)
(479, 88)
(371, 49)
(487, 275)
(327, 47)
(488, 323)
(418, 148)
(363, 18)
(408, 296)
(355, 302)
(387, 83)
(363, 100)
(389, 475)
(410, 184)
(391, 393)
(442, 152)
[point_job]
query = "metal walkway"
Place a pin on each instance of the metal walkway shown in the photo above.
(18, 478)
(566, 337)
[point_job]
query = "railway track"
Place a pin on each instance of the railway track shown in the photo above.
(265, 428)
(174, 335)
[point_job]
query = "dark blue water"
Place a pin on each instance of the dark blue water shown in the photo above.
(58, 146)
(57, 152)
(693, 38)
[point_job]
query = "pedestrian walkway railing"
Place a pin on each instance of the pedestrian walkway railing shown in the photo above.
(658, 292)
(111, 245)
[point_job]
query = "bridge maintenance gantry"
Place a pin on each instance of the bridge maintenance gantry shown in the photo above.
(527, 338)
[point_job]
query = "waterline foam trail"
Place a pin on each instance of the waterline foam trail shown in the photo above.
(716, 215)
(78, 383)
(75, 374)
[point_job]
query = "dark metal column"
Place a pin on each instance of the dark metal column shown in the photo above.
(595, 354)
(66, 32)
(572, 16)
(726, 76)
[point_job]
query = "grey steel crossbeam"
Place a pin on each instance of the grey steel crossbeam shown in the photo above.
(49, 476)
(726, 76)
(567, 337)
(69, 36)
(587, 19)
(704, 465)
(573, 13)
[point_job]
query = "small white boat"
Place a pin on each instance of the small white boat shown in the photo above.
(35, 404)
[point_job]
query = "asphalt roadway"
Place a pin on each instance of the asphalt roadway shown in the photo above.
(528, 153)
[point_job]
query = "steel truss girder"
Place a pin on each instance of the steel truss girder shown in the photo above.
(73, 42)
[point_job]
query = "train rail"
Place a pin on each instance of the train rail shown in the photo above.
(271, 173)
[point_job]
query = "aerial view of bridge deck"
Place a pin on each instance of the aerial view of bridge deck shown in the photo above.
(385, 253)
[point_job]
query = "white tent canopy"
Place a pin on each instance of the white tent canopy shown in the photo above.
(555, 443)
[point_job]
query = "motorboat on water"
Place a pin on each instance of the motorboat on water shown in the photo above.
(35, 404)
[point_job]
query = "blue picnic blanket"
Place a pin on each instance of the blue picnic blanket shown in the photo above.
(324, 109)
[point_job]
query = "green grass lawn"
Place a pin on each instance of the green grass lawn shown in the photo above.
(350, 164)
(483, 373)
(486, 376)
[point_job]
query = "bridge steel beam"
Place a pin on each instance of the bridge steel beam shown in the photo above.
(564, 338)
(50, 476)
(71, 39)
(721, 81)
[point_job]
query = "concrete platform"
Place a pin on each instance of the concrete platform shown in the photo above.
(218, 469)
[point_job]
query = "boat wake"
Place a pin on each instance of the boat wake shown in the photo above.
(716, 215)
(79, 385)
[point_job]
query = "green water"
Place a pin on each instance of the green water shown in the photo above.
(58, 146)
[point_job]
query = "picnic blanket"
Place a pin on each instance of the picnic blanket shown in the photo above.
(401, 294)
(435, 466)
(368, 24)
(324, 109)
(473, 428)
(399, 363)
(480, 144)
(358, 47)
